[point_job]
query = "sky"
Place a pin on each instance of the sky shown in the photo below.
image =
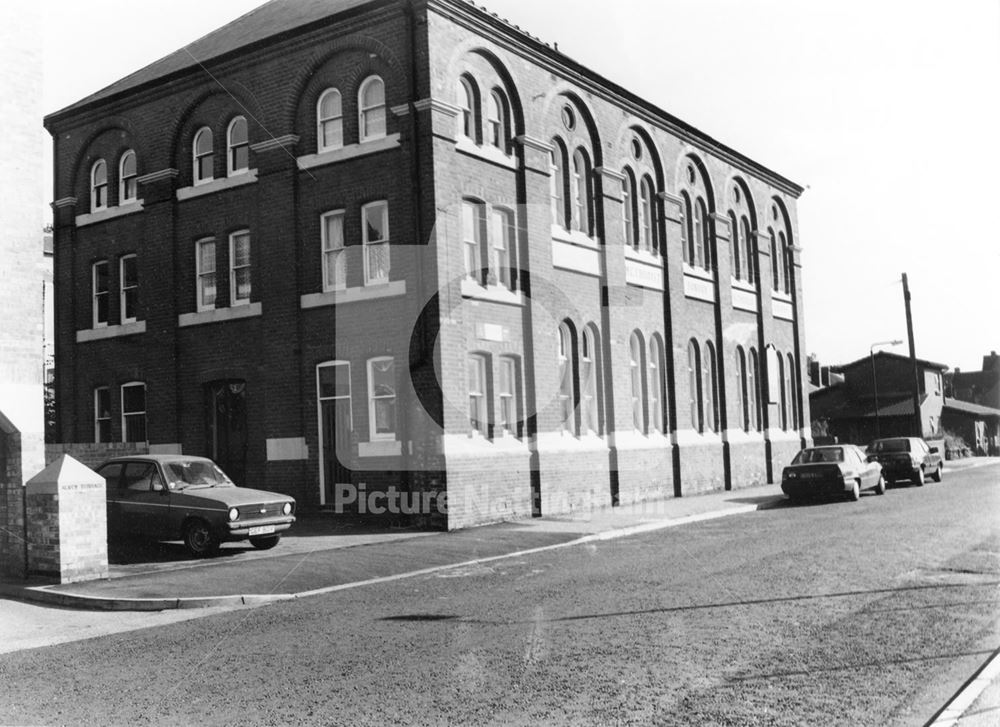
(887, 111)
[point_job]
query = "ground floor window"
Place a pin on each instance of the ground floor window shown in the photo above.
(134, 412)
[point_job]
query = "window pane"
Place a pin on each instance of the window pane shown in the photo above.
(208, 293)
(333, 133)
(241, 250)
(376, 223)
(334, 381)
(100, 173)
(128, 165)
(378, 261)
(133, 398)
(330, 106)
(238, 132)
(374, 94)
(241, 157)
(384, 378)
(242, 283)
(333, 230)
(203, 142)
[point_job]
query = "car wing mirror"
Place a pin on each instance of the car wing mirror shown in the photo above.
(158, 487)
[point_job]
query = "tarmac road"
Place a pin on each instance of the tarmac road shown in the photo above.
(868, 613)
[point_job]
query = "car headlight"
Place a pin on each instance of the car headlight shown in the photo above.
(234, 514)
(287, 509)
(790, 475)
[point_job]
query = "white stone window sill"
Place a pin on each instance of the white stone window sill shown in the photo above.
(97, 334)
(699, 273)
(574, 237)
(642, 256)
(492, 293)
(486, 152)
(476, 445)
(218, 315)
(563, 441)
(738, 284)
(217, 185)
(742, 436)
(351, 151)
(778, 295)
(693, 438)
(380, 448)
(638, 440)
(109, 213)
(353, 295)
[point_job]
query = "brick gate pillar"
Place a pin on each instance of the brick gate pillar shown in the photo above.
(67, 524)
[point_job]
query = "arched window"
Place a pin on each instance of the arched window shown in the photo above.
(371, 109)
(127, 191)
(690, 243)
(99, 186)
(694, 386)
(646, 221)
(786, 264)
(710, 387)
(329, 121)
(558, 183)
(496, 120)
(782, 394)
(581, 192)
(635, 378)
(750, 250)
(657, 400)
(742, 389)
(566, 359)
(203, 156)
(753, 392)
(590, 353)
(735, 249)
(467, 104)
(703, 223)
(793, 408)
(776, 264)
(629, 200)
(238, 145)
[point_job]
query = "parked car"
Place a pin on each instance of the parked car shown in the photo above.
(831, 470)
(906, 458)
(171, 497)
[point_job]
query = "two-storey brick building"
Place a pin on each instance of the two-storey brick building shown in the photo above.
(403, 244)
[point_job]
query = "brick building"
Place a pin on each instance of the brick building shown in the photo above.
(404, 244)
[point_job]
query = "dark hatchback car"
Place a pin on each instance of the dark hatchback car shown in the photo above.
(171, 497)
(840, 469)
(906, 458)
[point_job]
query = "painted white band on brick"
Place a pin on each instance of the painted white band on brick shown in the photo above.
(389, 448)
(287, 449)
(217, 185)
(109, 214)
(166, 448)
(217, 315)
(351, 151)
(353, 295)
(97, 334)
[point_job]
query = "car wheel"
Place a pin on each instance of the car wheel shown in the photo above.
(199, 539)
(937, 474)
(880, 486)
(855, 493)
(918, 477)
(264, 542)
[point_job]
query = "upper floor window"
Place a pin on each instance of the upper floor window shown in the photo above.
(239, 268)
(127, 191)
(635, 381)
(204, 158)
(100, 285)
(735, 248)
(589, 371)
(99, 186)
(329, 121)
(382, 398)
(102, 414)
(334, 260)
(566, 371)
(238, 145)
(134, 412)
(478, 395)
(205, 271)
(558, 183)
(786, 262)
(371, 109)
(375, 239)
(496, 120)
(647, 228)
(467, 106)
(473, 230)
(581, 189)
(502, 241)
(629, 197)
(128, 278)
(750, 250)
(703, 235)
(657, 389)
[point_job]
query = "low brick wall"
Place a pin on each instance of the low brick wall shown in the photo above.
(92, 454)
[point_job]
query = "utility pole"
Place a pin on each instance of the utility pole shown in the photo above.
(918, 421)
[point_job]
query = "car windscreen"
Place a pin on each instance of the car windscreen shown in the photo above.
(196, 473)
(890, 445)
(814, 456)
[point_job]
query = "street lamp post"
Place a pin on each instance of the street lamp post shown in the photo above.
(871, 356)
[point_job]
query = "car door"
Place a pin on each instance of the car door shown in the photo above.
(144, 503)
(111, 472)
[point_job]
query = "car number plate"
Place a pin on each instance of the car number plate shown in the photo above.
(262, 530)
